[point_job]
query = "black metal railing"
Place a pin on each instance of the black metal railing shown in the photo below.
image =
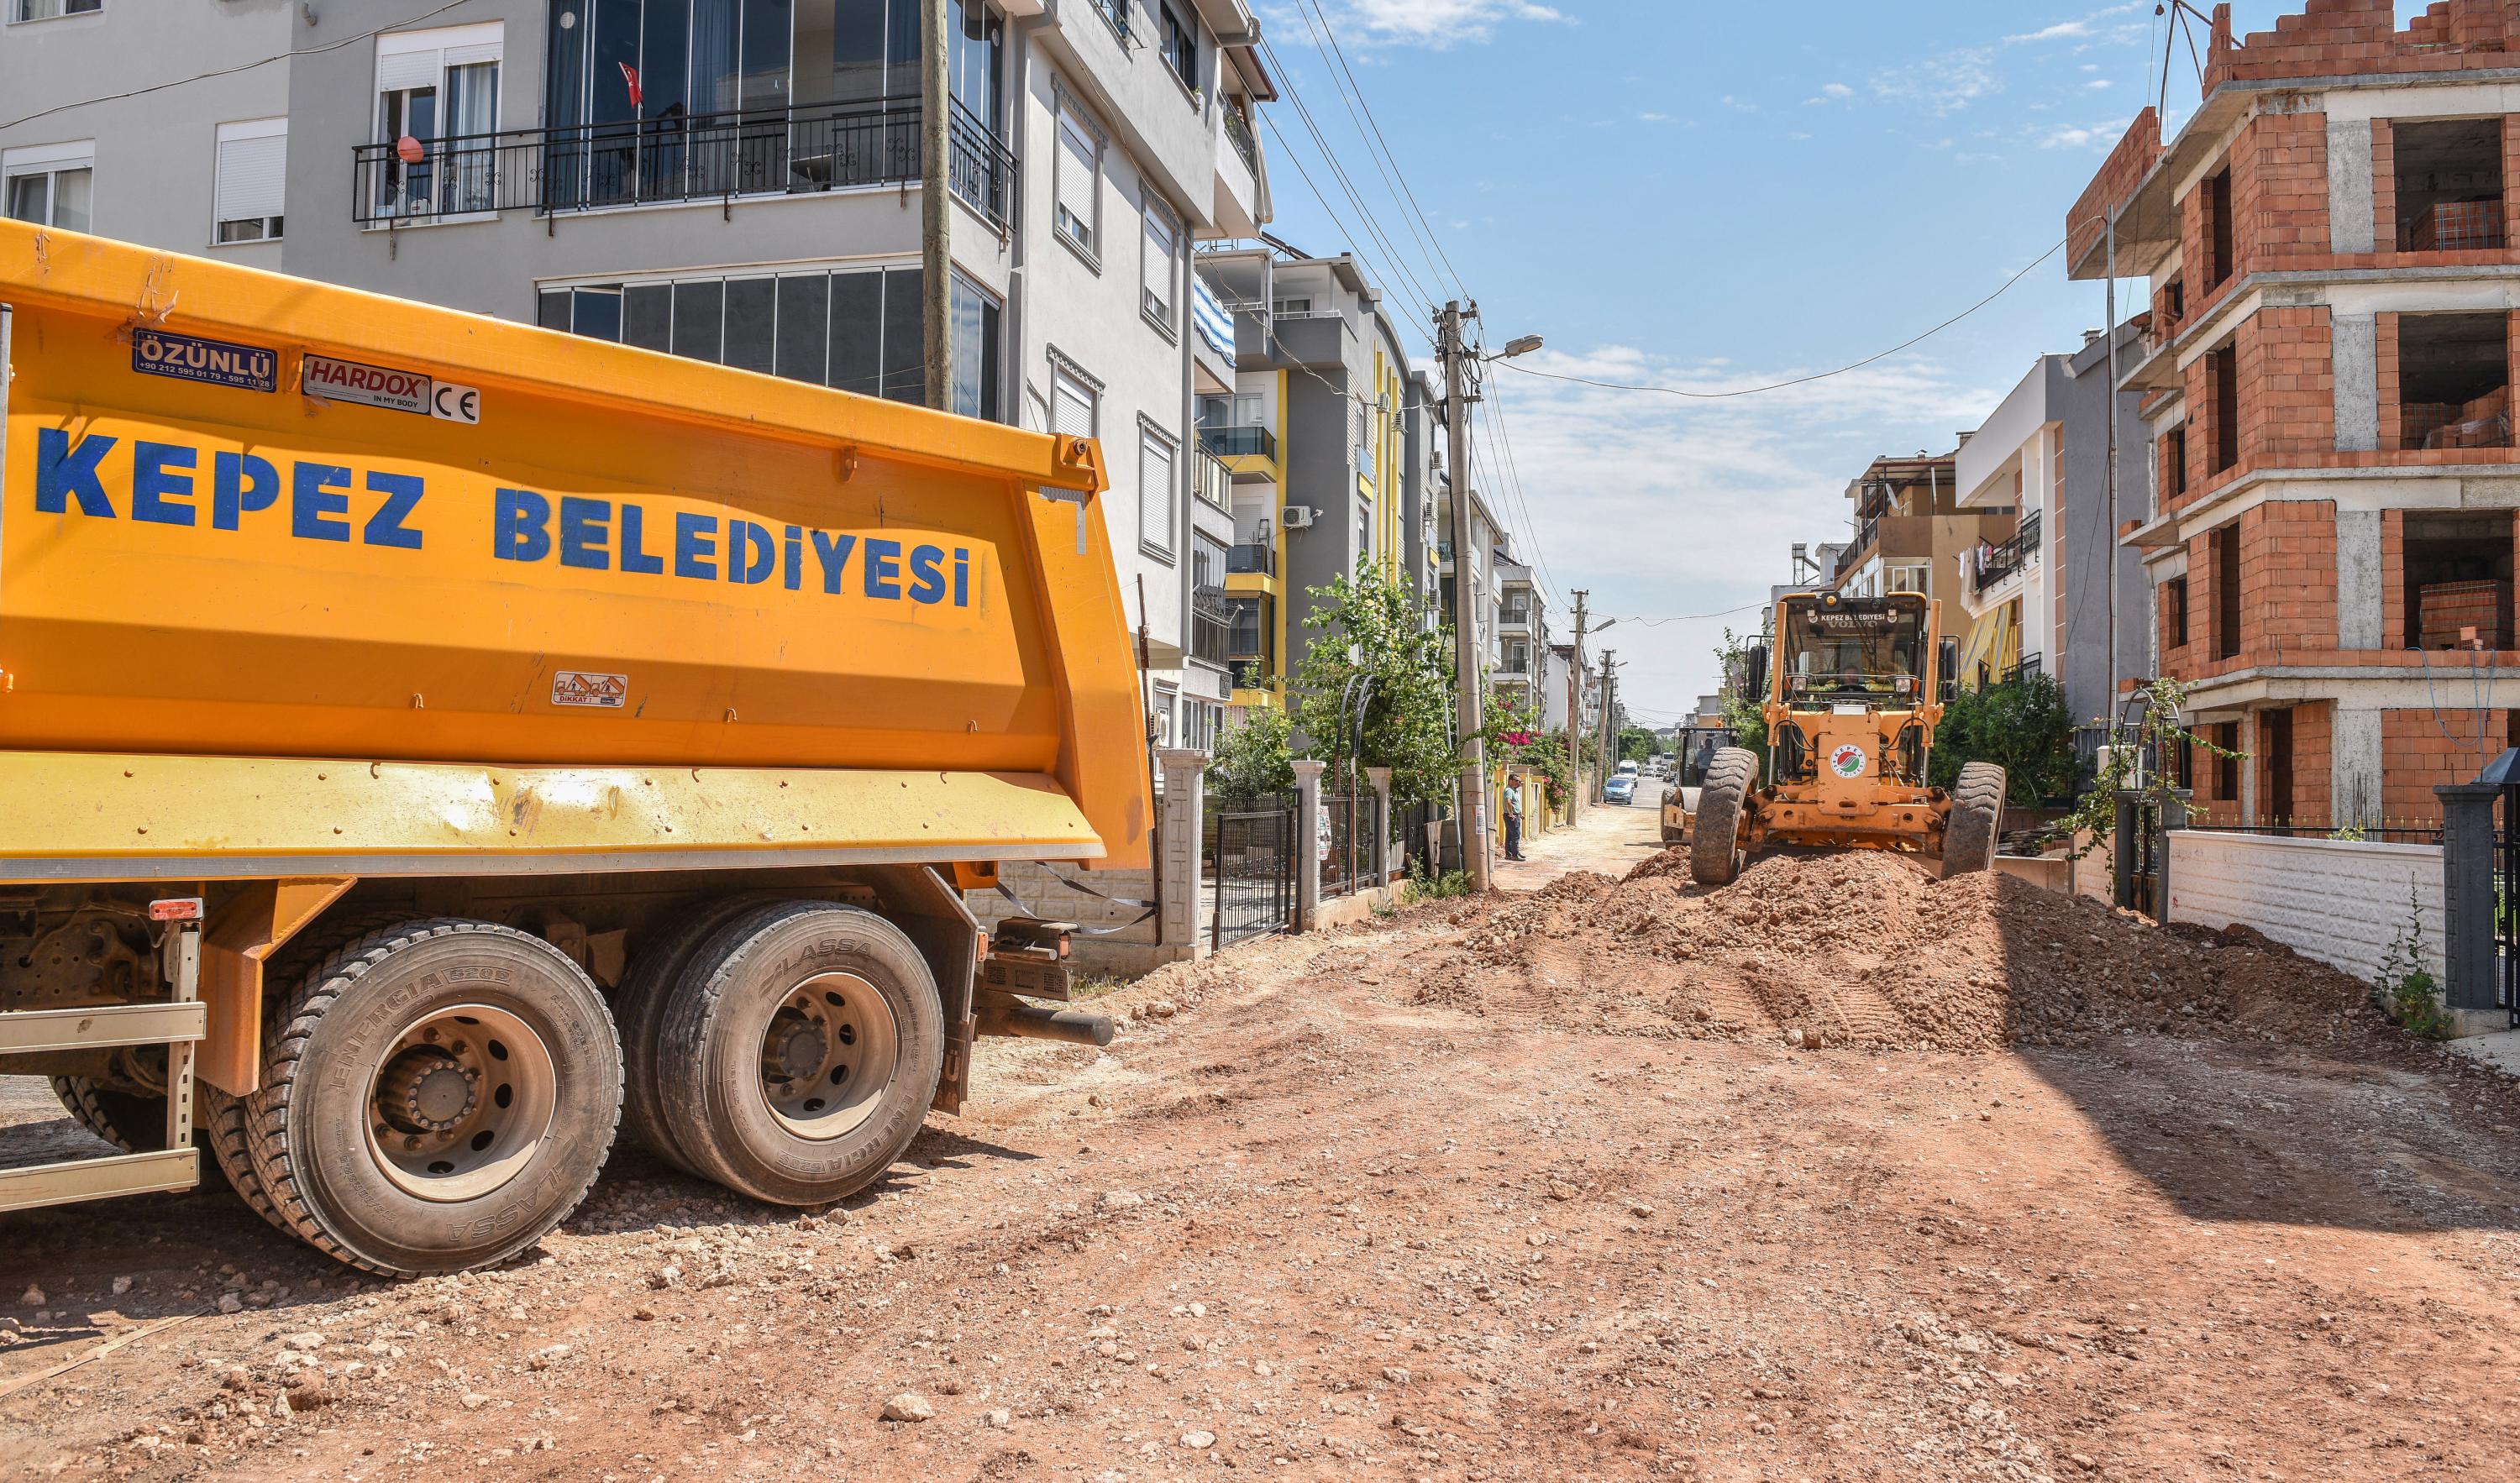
(1211, 626)
(1117, 12)
(799, 150)
(2205, 821)
(1996, 562)
(1238, 129)
(1252, 558)
(1250, 849)
(1238, 442)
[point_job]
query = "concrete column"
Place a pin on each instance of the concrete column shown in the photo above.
(2359, 577)
(2354, 767)
(2357, 358)
(1382, 779)
(1184, 799)
(2249, 764)
(2467, 905)
(1308, 844)
(2350, 212)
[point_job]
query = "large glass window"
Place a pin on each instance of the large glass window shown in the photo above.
(1180, 43)
(856, 331)
(437, 109)
(1853, 647)
(975, 350)
(49, 10)
(52, 186)
(1160, 269)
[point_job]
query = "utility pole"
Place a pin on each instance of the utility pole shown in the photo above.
(935, 210)
(1575, 717)
(1467, 676)
(1609, 657)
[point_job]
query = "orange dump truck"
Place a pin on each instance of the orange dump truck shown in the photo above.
(429, 743)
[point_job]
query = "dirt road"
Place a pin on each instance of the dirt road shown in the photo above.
(1300, 1222)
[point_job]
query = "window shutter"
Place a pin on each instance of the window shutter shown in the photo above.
(1071, 412)
(398, 71)
(1158, 270)
(1077, 168)
(1154, 490)
(252, 169)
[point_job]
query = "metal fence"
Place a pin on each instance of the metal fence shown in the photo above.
(1422, 840)
(753, 152)
(1347, 858)
(1251, 849)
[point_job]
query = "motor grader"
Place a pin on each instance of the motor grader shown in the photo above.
(1851, 712)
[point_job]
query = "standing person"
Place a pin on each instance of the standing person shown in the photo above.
(1513, 816)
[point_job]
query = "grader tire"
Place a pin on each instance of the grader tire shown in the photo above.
(1715, 856)
(800, 1051)
(640, 1009)
(438, 1096)
(1969, 835)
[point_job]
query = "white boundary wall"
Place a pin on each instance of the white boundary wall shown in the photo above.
(2338, 902)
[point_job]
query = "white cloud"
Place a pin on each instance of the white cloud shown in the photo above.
(2087, 28)
(2098, 136)
(2097, 83)
(1942, 85)
(1653, 118)
(1737, 105)
(1436, 23)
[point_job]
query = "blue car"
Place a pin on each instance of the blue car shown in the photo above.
(1621, 789)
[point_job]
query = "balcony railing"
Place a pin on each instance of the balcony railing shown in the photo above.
(1516, 616)
(1117, 12)
(1238, 442)
(1254, 558)
(1996, 562)
(795, 151)
(1238, 129)
(1212, 481)
(1211, 626)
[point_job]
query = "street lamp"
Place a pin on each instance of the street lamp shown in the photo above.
(1523, 345)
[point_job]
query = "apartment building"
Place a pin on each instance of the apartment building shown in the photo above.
(1909, 531)
(2040, 600)
(1521, 645)
(733, 180)
(1326, 436)
(2327, 366)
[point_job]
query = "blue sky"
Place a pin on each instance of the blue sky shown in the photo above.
(1713, 196)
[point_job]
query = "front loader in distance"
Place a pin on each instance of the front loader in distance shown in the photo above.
(1851, 716)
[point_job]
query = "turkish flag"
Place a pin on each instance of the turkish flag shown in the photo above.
(630, 74)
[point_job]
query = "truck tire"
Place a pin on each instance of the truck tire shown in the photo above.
(1715, 856)
(640, 1010)
(132, 1121)
(1977, 820)
(800, 1052)
(438, 1096)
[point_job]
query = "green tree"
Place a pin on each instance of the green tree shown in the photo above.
(2021, 725)
(1544, 754)
(1253, 759)
(1743, 712)
(1370, 639)
(1636, 745)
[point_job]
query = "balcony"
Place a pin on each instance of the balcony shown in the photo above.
(801, 150)
(1251, 559)
(1994, 564)
(1238, 442)
(1238, 129)
(1211, 627)
(1212, 481)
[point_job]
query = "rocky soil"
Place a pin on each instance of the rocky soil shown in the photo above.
(1532, 1188)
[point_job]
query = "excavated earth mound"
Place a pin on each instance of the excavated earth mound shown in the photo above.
(1865, 950)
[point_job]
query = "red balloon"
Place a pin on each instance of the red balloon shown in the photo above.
(410, 151)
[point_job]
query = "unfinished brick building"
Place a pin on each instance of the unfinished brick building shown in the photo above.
(2329, 362)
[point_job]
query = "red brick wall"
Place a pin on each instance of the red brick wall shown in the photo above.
(2280, 191)
(2329, 37)
(2384, 187)
(2393, 580)
(2285, 363)
(2420, 749)
(2287, 580)
(2313, 729)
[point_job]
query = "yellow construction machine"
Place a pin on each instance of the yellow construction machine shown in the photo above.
(1851, 711)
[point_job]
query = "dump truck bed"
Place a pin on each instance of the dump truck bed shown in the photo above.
(299, 580)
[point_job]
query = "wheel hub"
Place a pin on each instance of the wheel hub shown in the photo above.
(461, 1102)
(827, 1053)
(798, 1047)
(426, 1090)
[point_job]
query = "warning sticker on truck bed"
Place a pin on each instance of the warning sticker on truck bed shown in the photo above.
(578, 687)
(350, 381)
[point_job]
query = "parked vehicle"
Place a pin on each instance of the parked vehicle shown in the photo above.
(430, 742)
(1851, 715)
(1620, 788)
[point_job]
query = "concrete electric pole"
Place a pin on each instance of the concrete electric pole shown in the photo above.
(1609, 742)
(1575, 717)
(936, 212)
(1466, 672)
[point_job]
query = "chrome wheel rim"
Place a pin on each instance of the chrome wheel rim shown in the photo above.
(460, 1102)
(828, 1052)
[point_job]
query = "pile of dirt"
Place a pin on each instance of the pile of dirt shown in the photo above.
(1866, 950)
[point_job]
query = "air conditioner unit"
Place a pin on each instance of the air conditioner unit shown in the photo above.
(1297, 516)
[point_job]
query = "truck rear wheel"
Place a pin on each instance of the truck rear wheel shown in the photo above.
(1715, 855)
(132, 1121)
(800, 1052)
(640, 1009)
(1969, 835)
(436, 1096)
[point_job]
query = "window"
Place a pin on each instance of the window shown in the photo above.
(1160, 270)
(1909, 579)
(1079, 186)
(1075, 400)
(975, 66)
(2455, 570)
(1162, 728)
(1180, 43)
(856, 331)
(2227, 592)
(439, 88)
(2222, 370)
(2216, 199)
(2450, 185)
(974, 351)
(2453, 380)
(51, 185)
(2174, 610)
(2227, 762)
(1364, 529)
(1293, 308)
(52, 9)
(1159, 488)
(2274, 785)
(252, 178)
(2176, 454)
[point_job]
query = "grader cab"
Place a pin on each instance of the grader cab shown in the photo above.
(1851, 701)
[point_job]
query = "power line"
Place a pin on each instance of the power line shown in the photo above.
(1513, 472)
(1799, 380)
(226, 71)
(1395, 178)
(1339, 172)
